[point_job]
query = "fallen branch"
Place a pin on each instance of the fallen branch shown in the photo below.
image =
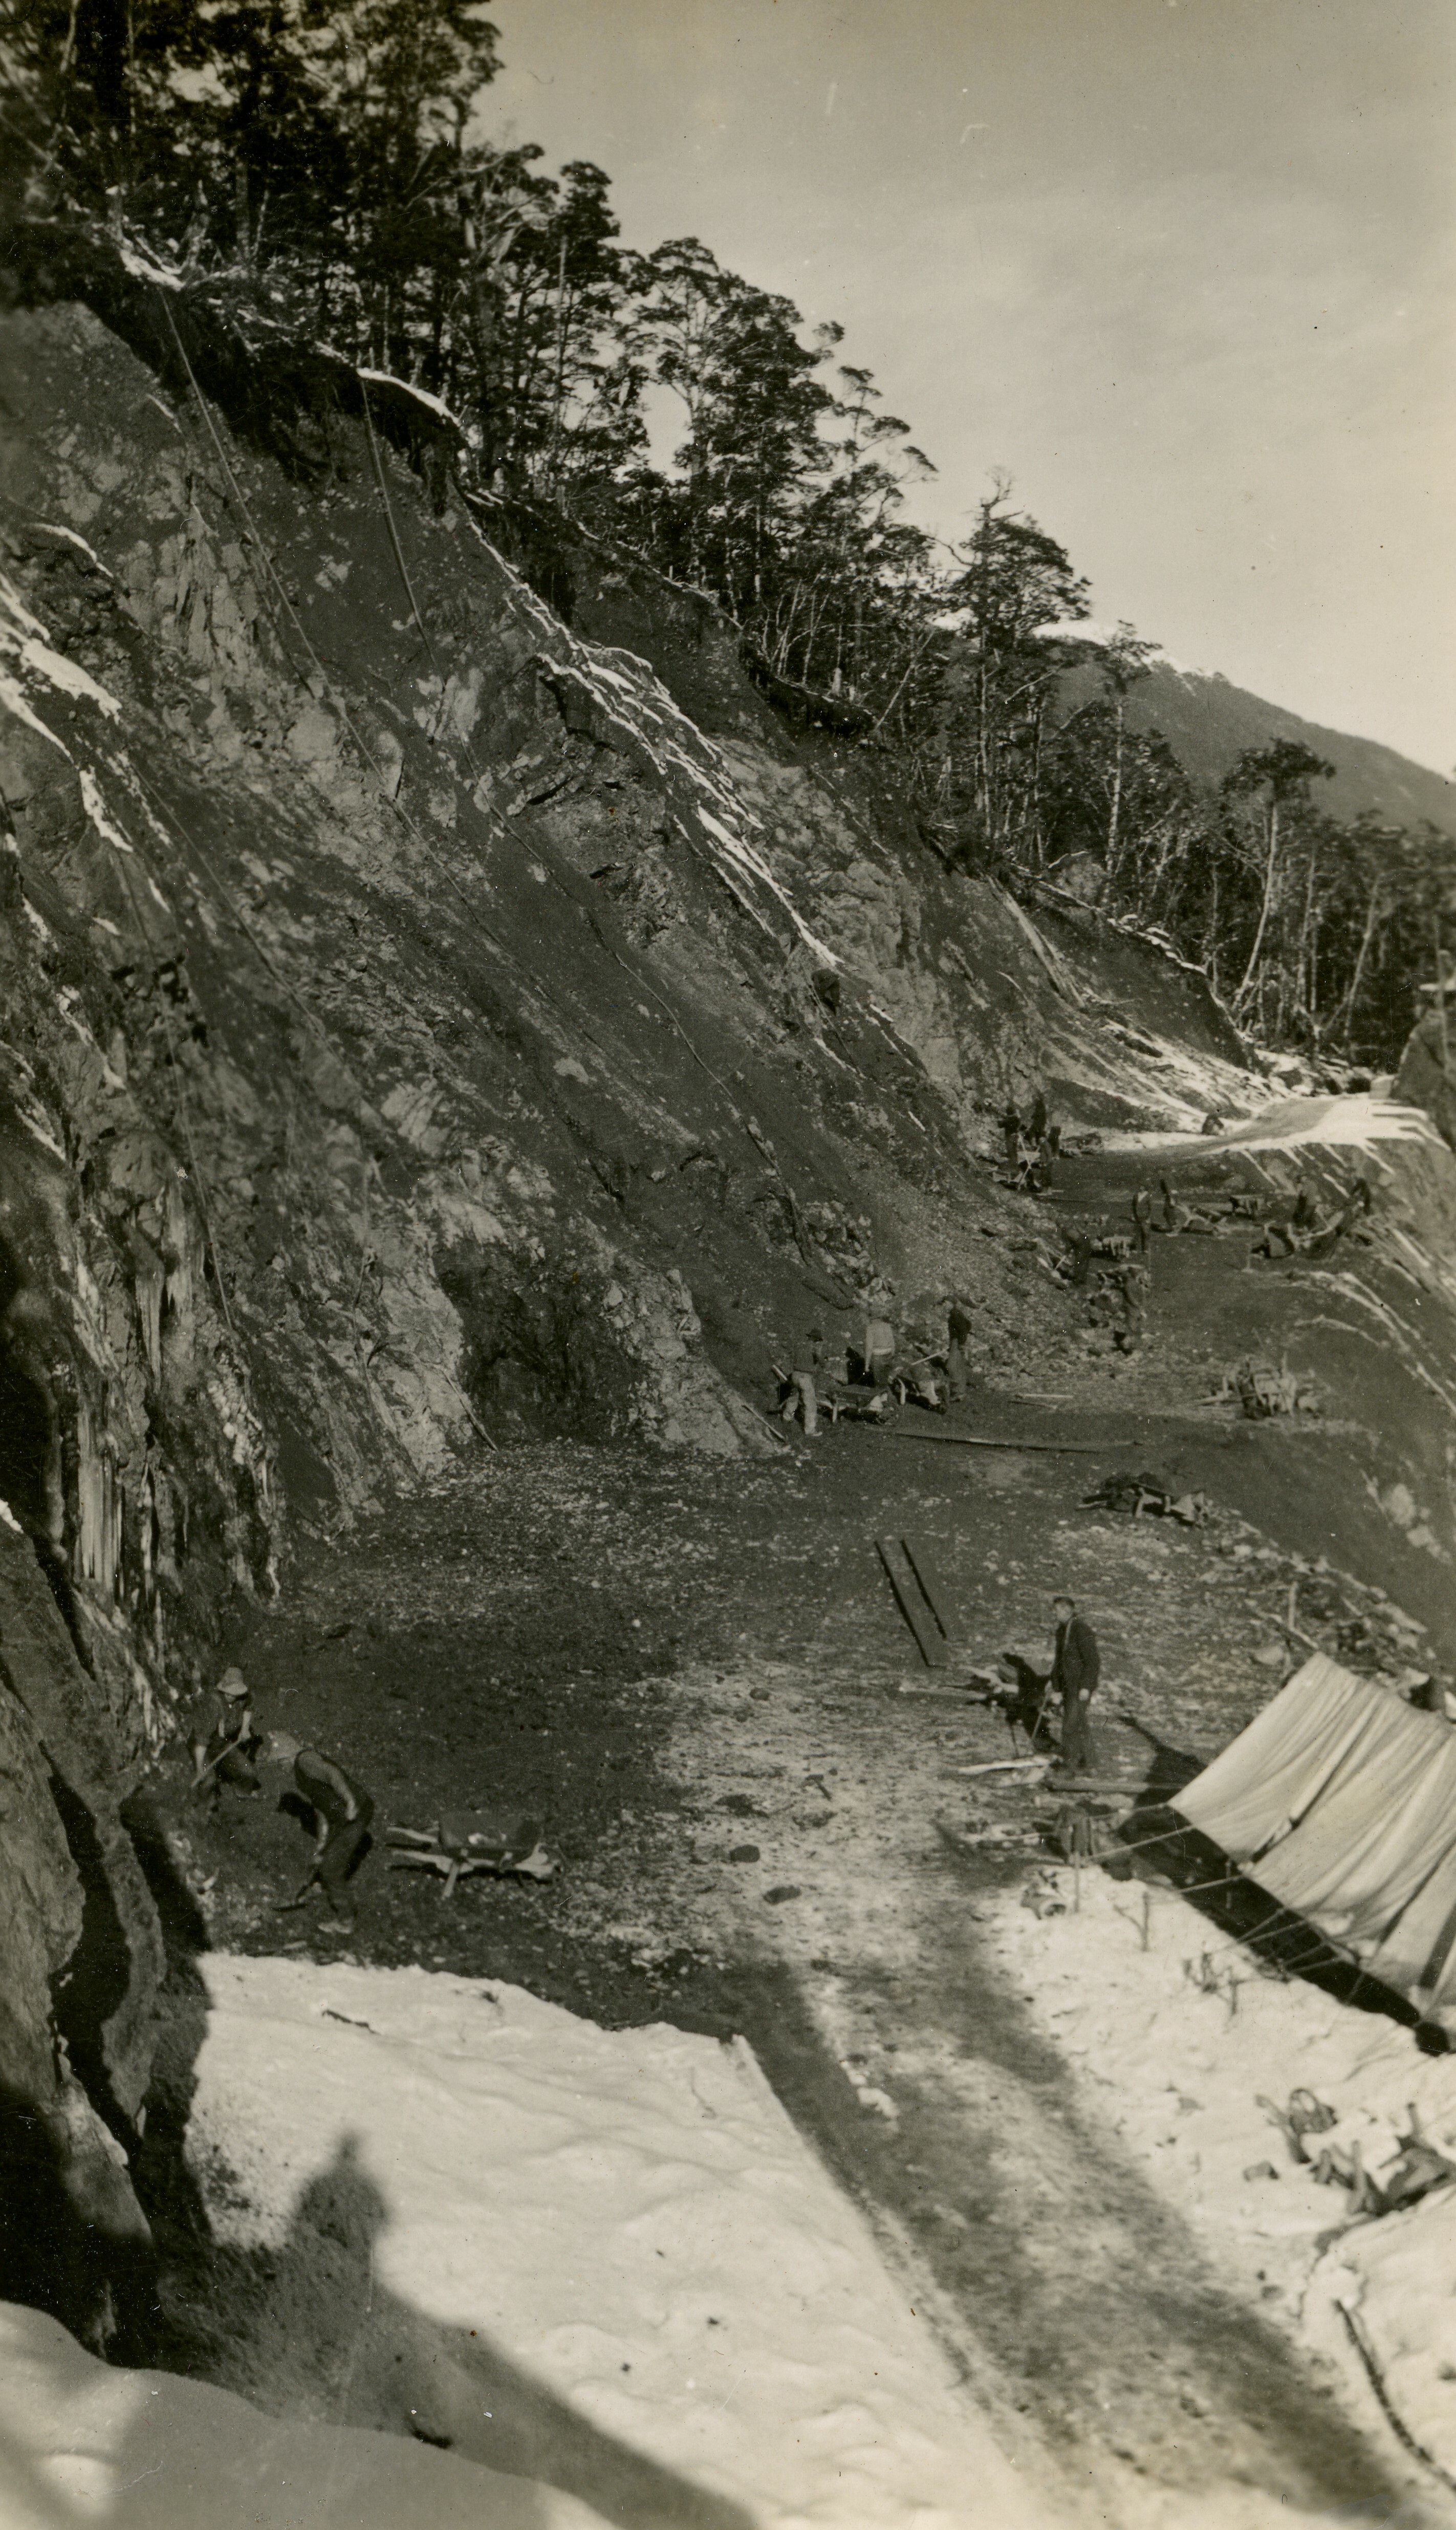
(1360, 2339)
(1283, 1626)
(1002, 1766)
(973, 1441)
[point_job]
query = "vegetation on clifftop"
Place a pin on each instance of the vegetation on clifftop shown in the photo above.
(314, 171)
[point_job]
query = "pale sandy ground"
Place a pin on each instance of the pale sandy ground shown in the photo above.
(591, 2201)
(1178, 2045)
(630, 2214)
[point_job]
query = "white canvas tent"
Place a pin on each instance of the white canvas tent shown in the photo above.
(1340, 1802)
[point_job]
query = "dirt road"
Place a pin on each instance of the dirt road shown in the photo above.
(693, 1675)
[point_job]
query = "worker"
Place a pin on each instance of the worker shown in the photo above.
(1076, 1668)
(957, 1344)
(1131, 1283)
(223, 1755)
(1356, 1204)
(806, 1370)
(880, 1346)
(1024, 1695)
(1011, 1134)
(1077, 1263)
(1038, 1117)
(342, 1811)
(1142, 1221)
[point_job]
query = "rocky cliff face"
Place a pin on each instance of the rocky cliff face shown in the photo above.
(442, 1001)
(84, 1965)
(403, 988)
(1428, 1071)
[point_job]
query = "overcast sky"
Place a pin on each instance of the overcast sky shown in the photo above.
(1186, 267)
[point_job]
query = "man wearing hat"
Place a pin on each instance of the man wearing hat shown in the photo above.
(1075, 1672)
(224, 1755)
(342, 1811)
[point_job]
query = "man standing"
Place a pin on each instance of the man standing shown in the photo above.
(806, 1370)
(343, 1810)
(1075, 1670)
(879, 1345)
(957, 1353)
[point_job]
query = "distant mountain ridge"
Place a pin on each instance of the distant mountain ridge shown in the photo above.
(1209, 722)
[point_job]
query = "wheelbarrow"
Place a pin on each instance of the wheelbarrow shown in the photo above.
(469, 1842)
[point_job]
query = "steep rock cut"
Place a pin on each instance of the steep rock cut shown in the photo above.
(406, 985)
(446, 1000)
(83, 1969)
(426, 1022)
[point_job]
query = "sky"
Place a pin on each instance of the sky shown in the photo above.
(1184, 268)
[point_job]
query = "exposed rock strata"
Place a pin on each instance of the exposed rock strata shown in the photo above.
(431, 1014)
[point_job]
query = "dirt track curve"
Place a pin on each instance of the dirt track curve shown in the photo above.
(678, 1667)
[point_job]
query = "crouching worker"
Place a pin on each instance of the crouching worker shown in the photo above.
(224, 1753)
(1024, 1695)
(342, 1811)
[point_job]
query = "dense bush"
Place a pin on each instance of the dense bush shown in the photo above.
(311, 167)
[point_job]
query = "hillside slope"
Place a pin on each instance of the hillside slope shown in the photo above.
(439, 1015)
(1209, 723)
(395, 1014)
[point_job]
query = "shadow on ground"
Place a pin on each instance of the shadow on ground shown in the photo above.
(304, 2327)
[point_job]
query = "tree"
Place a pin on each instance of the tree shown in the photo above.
(751, 401)
(1014, 588)
(1121, 796)
(1275, 782)
(313, 153)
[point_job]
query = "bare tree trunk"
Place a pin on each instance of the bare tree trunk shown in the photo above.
(1114, 807)
(1304, 972)
(1271, 859)
(558, 389)
(1211, 935)
(1034, 801)
(1346, 1012)
(983, 746)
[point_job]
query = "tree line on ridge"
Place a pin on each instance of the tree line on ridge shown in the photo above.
(316, 166)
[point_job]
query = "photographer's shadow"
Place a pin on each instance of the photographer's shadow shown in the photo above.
(322, 2338)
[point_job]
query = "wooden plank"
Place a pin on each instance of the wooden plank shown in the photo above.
(938, 1597)
(1003, 1766)
(1100, 1784)
(912, 1604)
(973, 1441)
